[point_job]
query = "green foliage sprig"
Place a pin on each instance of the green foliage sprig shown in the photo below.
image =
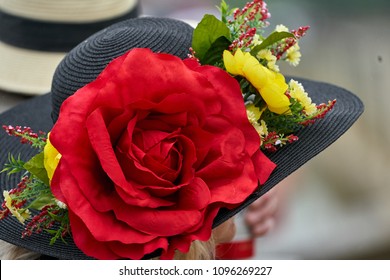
(32, 201)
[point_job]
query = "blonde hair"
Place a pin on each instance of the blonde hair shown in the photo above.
(199, 250)
(12, 252)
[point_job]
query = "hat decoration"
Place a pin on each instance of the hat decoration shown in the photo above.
(144, 158)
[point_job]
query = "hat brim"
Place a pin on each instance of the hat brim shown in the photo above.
(19, 71)
(43, 33)
(312, 140)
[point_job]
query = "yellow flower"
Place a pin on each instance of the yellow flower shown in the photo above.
(298, 92)
(271, 85)
(270, 58)
(20, 214)
(51, 158)
(235, 64)
(281, 28)
(254, 115)
(263, 129)
(256, 40)
(293, 55)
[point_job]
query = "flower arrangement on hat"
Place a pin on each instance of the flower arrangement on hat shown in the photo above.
(276, 108)
(144, 157)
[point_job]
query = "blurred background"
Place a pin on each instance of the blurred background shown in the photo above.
(338, 205)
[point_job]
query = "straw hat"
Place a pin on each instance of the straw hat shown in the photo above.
(36, 34)
(84, 63)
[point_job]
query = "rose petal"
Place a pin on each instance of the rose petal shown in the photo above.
(263, 166)
(152, 158)
(183, 242)
(87, 242)
(160, 222)
(138, 251)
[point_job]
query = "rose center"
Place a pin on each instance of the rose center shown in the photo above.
(164, 159)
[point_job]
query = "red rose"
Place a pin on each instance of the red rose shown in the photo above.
(151, 151)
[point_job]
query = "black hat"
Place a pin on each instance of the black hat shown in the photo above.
(84, 63)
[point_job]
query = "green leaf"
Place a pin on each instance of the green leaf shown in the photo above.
(214, 53)
(225, 11)
(36, 167)
(51, 231)
(40, 202)
(14, 165)
(273, 38)
(208, 31)
(57, 218)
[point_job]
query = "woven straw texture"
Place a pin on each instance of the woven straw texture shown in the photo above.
(84, 63)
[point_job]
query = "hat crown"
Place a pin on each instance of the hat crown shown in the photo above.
(86, 61)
